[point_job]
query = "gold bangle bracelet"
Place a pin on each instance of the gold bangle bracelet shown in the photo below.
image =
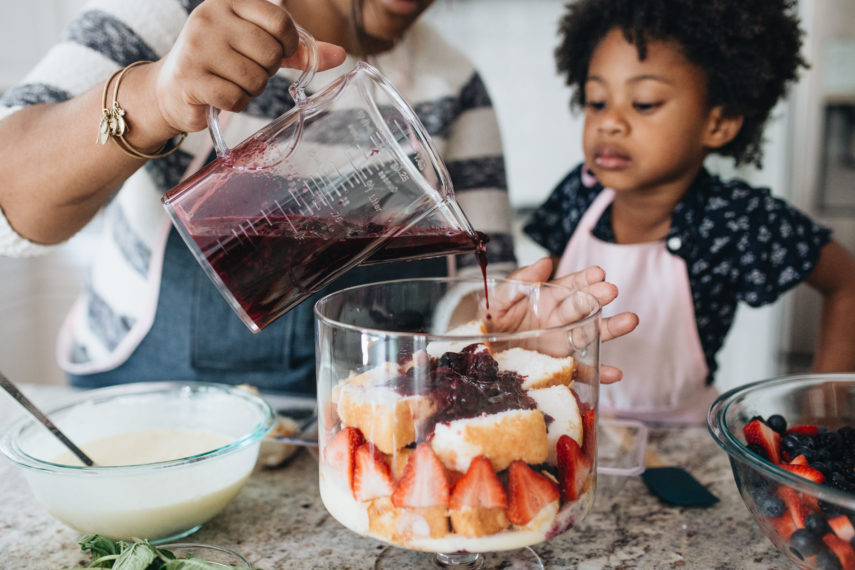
(114, 126)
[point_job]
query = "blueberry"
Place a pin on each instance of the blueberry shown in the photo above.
(758, 450)
(793, 443)
(777, 423)
(823, 468)
(817, 524)
(830, 509)
(826, 560)
(805, 543)
(768, 504)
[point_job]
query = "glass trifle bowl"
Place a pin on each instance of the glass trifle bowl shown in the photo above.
(454, 426)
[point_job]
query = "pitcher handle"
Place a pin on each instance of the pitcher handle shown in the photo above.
(296, 89)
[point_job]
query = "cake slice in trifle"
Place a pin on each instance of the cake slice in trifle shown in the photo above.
(452, 452)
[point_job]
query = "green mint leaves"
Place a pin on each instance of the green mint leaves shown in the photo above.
(138, 555)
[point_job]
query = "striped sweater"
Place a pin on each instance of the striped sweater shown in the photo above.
(117, 307)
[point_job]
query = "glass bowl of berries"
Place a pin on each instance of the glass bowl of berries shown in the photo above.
(791, 442)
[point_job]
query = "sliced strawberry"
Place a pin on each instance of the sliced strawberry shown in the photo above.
(806, 429)
(842, 527)
(479, 487)
(589, 433)
(573, 467)
(799, 460)
(811, 503)
(805, 471)
(340, 452)
(783, 525)
(843, 550)
(528, 492)
(372, 477)
(797, 508)
(423, 483)
(759, 433)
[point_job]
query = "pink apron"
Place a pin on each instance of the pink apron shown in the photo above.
(663, 363)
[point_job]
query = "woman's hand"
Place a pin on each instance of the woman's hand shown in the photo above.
(591, 280)
(224, 56)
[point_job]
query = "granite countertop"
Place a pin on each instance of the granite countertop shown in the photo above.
(278, 520)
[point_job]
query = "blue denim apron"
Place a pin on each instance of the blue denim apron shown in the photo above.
(196, 336)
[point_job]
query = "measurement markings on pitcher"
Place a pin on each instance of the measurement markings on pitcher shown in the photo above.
(302, 203)
(251, 226)
(320, 190)
(357, 169)
(343, 200)
(286, 217)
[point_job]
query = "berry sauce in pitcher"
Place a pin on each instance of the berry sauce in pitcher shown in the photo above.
(303, 250)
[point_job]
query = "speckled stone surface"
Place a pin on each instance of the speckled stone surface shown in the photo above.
(279, 522)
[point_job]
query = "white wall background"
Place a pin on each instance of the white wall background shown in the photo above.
(512, 42)
(35, 294)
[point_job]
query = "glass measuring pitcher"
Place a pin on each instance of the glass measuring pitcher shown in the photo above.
(328, 185)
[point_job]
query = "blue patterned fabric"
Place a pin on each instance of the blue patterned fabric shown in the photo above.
(740, 244)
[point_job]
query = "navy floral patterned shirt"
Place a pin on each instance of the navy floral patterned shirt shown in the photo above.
(740, 244)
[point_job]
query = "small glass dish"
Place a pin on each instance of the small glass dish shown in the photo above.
(217, 555)
(159, 501)
(621, 448)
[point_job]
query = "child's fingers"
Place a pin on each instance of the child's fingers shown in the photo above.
(618, 325)
(538, 271)
(609, 374)
(582, 279)
(603, 292)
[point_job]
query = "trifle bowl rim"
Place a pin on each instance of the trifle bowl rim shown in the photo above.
(479, 281)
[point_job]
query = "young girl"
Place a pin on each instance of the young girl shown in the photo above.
(664, 83)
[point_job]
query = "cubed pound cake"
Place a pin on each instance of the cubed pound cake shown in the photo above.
(537, 370)
(388, 419)
(503, 437)
(470, 329)
(559, 403)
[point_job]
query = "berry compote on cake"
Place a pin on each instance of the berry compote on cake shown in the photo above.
(459, 448)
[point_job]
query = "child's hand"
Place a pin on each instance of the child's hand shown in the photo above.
(224, 56)
(592, 280)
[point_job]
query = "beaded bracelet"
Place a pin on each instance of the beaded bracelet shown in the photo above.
(113, 125)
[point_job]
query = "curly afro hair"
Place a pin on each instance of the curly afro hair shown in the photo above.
(749, 50)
